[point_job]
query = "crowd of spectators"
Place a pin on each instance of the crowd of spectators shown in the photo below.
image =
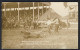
(10, 18)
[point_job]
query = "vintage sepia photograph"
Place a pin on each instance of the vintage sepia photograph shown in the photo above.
(39, 25)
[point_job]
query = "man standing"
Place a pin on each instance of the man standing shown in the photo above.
(56, 21)
(49, 25)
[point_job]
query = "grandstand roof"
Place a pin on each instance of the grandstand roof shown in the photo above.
(50, 12)
(24, 4)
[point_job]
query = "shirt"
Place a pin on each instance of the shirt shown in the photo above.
(56, 21)
(49, 22)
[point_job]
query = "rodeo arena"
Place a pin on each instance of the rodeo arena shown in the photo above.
(36, 25)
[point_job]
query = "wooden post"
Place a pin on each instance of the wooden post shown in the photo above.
(33, 11)
(18, 11)
(5, 9)
(50, 12)
(38, 10)
(46, 8)
(42, 8)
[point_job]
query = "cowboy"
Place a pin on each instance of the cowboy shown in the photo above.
(49, 25)
(56, 22)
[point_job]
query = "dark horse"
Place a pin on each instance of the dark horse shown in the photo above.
(60, 24)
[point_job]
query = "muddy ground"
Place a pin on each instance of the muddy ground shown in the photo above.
(65, 39)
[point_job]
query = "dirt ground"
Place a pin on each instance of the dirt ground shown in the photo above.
(65, 39)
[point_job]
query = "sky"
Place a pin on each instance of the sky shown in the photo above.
(59, 8)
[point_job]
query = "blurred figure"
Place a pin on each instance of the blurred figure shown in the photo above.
(35, 24)
(29, 21)
(49, 25)
(56, 22)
